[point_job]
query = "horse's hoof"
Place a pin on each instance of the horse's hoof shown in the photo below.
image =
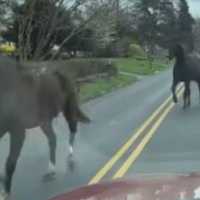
(70, 163)
(185, 107)
(71, 151)
(4, 195)
(51, 168)
(51, 173)
(175, 100)
(49, 177)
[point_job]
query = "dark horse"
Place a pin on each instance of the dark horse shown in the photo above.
(28, 101)
(186, 69)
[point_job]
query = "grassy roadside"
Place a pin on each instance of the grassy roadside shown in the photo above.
(102, 86)
(131, 67)
(140, 67)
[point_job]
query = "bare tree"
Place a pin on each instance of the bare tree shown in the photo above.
(40, 23)
(5, 11)
(104, 24)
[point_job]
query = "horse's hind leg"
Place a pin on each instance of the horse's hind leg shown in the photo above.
(199, 89)
(186, 97)
(48, 131)
(70, 112)
(189, 95)
(16, 144)
(174, 85)
(73, 130)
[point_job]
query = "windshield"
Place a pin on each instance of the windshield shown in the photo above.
(96, 92)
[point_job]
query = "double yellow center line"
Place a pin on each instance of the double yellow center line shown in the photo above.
(159, 115)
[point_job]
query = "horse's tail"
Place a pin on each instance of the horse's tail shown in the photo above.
(82, 117)
(62, 80)
(71, 108)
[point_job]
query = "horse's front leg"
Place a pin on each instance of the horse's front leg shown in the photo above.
(174, 85)
(189, 95)
(16, 144)
(186, 98)
(49, 132)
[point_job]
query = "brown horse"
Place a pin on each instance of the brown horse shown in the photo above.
(28, 101)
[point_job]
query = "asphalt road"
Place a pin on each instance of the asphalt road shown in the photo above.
(174, 147)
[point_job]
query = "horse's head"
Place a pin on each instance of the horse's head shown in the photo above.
(176, 51)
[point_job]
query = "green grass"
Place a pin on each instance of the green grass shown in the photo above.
(140, 67)
(103, 86)
(128, 65)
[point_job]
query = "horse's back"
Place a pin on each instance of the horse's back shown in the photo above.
(29, 99)
(193, 64)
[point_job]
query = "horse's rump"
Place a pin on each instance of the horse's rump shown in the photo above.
(32, 98)
(51, 98)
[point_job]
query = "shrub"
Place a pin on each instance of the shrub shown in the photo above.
(85, 67)
(136, 51)
(77, 68)
(7, 48)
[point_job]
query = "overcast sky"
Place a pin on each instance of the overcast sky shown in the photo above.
(194, 7)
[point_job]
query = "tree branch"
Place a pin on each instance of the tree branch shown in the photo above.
(76, 31)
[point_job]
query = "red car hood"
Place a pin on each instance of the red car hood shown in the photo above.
(167, 187)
